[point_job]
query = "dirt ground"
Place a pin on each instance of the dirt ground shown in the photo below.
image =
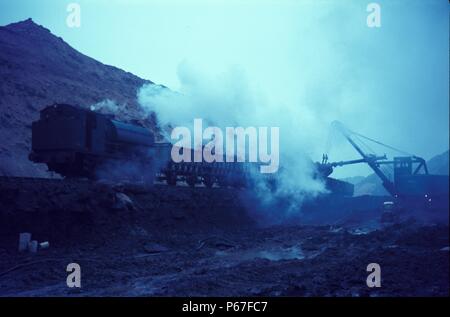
(168, 241)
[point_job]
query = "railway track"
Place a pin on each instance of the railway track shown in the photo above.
(10, 180)
(29, 179)
(15, 181)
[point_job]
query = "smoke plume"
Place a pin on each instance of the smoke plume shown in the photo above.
(229, 100)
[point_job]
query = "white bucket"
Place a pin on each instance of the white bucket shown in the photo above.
(33, 246)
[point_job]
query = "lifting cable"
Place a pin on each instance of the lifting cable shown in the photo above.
(365, 145)
(381, 143)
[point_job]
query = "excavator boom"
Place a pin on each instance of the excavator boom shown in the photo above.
(370, 160)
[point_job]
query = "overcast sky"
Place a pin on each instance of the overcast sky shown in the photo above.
(390, 83)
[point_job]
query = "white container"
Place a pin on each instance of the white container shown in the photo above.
(33, 246)
(44, 245)
(24, 239)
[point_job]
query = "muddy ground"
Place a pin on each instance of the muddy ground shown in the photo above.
(178, 241)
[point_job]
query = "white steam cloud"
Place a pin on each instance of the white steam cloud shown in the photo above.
(105, 106)
(228, 100)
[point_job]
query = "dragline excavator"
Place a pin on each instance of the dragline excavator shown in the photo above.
(411, 178)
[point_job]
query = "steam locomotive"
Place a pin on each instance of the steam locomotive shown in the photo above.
(79, 143)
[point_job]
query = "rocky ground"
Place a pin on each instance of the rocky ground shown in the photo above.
(177, 241)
